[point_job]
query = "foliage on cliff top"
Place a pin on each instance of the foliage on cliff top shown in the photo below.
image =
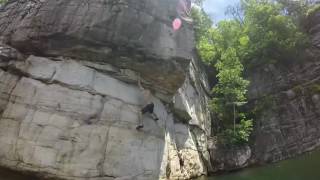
(313, 10)
(3, 1)
(261, 32)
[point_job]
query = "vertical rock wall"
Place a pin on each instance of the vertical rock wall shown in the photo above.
(287, 101)
(69, 96)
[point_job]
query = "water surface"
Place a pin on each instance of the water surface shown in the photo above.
(305, 167)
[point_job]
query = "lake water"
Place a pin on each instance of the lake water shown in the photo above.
(305, 167)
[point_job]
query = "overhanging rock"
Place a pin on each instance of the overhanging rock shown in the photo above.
(125, 33)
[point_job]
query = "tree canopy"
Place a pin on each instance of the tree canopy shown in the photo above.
(261, 32)
(3, 1)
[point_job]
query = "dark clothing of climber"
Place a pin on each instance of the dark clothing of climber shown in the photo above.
(148, 106)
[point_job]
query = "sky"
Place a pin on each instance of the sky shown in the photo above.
(216, 8)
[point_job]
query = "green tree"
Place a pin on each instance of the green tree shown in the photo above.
(274, 36)
(231, 86)
(198, 2)
(202, 26)
(3, 1)
(297, 9)
(241, 134)
(261, 32)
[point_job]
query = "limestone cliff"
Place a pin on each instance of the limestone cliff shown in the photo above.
(69, 97)
(287, 101)
(124, 33)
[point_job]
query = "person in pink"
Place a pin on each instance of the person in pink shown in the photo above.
(183, 12)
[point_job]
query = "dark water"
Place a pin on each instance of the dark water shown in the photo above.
(306, 167)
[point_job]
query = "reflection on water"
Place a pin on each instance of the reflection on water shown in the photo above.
(306, 167)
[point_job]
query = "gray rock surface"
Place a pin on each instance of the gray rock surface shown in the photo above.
(229, 158)
(288, 106)
(61, 118)
(314, 28)
(288, 122)
(135, 34)
(70, 102)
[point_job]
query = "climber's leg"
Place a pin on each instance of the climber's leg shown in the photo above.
(147, 109)
(154, 116)
(140, 126)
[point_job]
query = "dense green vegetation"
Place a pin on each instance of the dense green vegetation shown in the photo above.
(3, 1)
(313, 9)
(261, 32)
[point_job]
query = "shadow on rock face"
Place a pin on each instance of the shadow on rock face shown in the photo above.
(7, 174)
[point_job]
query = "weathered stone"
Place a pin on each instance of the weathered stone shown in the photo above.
(230, 158)
(192, 98)
(70, 109)
(7, 84)
(78, 76)
(313, 24)
(8, 53)
(71, 121)
(136, 35)
(287, 104)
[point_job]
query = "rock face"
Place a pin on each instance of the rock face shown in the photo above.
(229, 158)
(64, 119)
(314, 28)
(288, 104)
(124, 33)
(69, 96)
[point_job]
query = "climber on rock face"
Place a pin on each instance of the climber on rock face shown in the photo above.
(148, 105)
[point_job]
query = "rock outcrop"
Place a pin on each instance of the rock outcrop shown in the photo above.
(229, 158)
(314, 28)
(287, 101)
(69, 96)
(134, 34)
